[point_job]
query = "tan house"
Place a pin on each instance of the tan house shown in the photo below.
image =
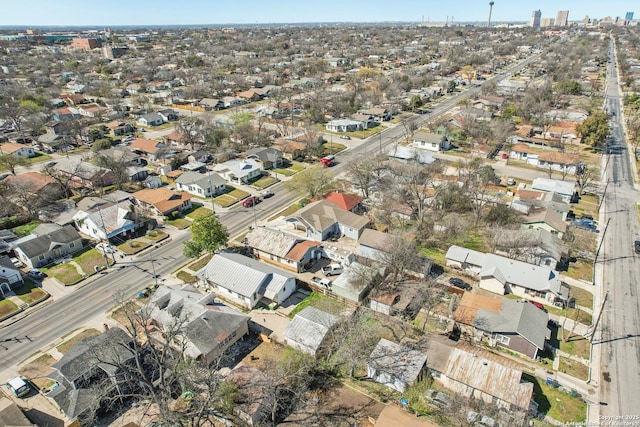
(162, 200)
(282, 249)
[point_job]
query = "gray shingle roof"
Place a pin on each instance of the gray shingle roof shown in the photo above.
(309, 328)
(200, 179)
(321, 215)
(243, 275)
(517, 317)
(464, 255)
(536, 277)
(46, 242)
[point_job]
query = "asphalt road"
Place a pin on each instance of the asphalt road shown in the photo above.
(44, 325)
(618, 338)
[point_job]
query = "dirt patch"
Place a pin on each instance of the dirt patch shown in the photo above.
(38, 370)
(340, 407)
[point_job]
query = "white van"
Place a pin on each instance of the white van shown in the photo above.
(18, 386)
(332, 269)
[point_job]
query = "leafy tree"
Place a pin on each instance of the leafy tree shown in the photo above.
(468, 72)
(312, 182)
(207, 235)
(415, 102)
(569, 87)
(10, 161)
(595, 129)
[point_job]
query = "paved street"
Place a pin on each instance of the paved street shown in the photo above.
(617, 340)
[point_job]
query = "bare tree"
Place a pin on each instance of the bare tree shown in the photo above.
(365, 171)
(416, 182)
(476, 178)
(11, 162)
(312, 182)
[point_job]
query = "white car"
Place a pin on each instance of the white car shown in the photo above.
(105, 248)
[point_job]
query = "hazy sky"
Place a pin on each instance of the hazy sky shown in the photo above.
(190, 12)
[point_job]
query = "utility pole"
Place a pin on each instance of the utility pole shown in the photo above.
(106, 236)
(153, 269)
(595, 325)
(213, 206)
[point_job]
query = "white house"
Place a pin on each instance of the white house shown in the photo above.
(344, 125)
(430, 141)
(247, 281)
(106, 223)
(17, 150)
(201, 185)
(309, 329)
(395, 365)
(239, 171)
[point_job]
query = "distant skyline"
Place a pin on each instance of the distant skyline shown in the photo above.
(203, 12)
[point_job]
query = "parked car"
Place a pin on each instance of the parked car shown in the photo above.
(266, 194)
(511, 181)
(332, 269)
(323, 283)
(538, 305)
(19, 386)
(345, 137)
(459, 283)
(586, 224)
(105, 248)
(36, 274)
(250, 201)
(636, 246)
(327, 161)
(17, 263)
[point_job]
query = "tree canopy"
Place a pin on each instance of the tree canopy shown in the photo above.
(312, 182)
(207, 235)
(595, 129)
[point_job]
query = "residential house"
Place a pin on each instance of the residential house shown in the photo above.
(367, 120)
(239, 171)
(374, 244)
(209, 328)
(106, 223)
(476, 373)
(513, 324)
(290, 150)
(563, 162)
(254, 400)
(344, 125)
(322, 219)
(211, 104)
(38, 250)
(92, 370)
(169, 115)
(147, 147)
(546, 219)
(355, 282)
(378, 114)
(201, 185)
(430, 141)
(566, 189)
(177, 138)
(309, 329)
(522, 151)
(411, 154)
(150, 119)
(162, 201)
(396, 366)
(80, 174)
(18, 150)
(502, 275)
(12, 415)
(348, 202)
(10, 276)
(403, 299)
(269, 157)
(34, 185)
(488, 103)
(282, 249)
(541, 247)
(117, 128)
(247, 281)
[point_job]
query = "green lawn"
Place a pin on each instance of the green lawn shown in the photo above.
(90, 258)
(133, 246)
(65, 273)
(289, 170)
(186, 277)
(264, 182)
(435, 254)
(179, 223)
(332, 148)
(25, 230)
(197, 265)
(156, 235)
(7, 307)
(320, 302)
(199, 212)
(238, 194)
(577, 346)
(285, 172)
(558, 405)
(574, 368)
(582, 269)
(29, 293)
(583, 298)
(40, 157)
(225, 201)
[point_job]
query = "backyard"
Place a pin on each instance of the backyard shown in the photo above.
(555, 403)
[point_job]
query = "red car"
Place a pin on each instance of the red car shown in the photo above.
(538, 305)
(250, 201)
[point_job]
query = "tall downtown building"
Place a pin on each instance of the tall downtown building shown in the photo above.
(535, 18)
(562, 19)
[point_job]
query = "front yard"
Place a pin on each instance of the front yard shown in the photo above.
(131, 247)
(66, 274)
(290, 169)
(558, 405)
(29, 292)
(90, 258)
